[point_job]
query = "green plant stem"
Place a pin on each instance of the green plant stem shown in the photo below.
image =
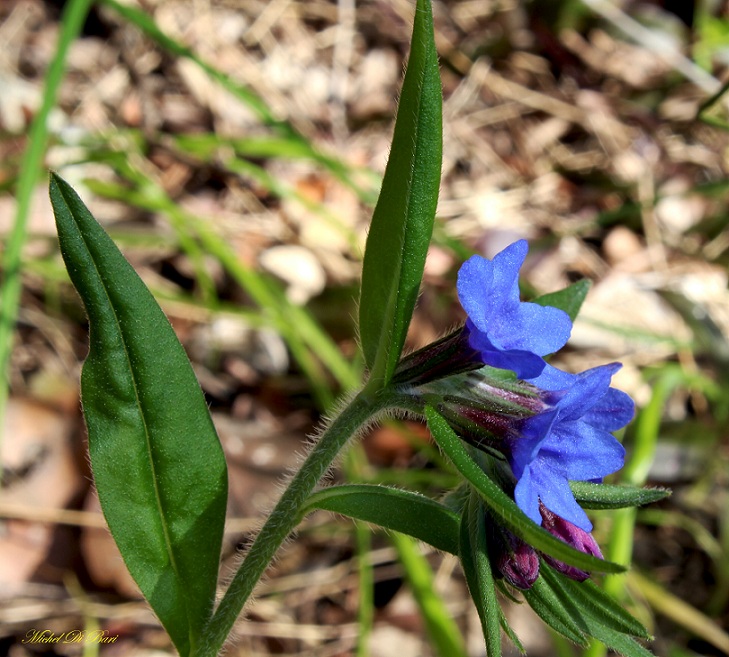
(30, 171)
(287, 512)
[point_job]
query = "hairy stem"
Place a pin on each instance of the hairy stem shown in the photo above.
(285, 515)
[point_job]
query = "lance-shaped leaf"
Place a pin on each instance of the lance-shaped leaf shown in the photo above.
(609, 496)
(503, 507)
(400, 510)
(598, 615)
(550, 608)
(402, 223)
(476, 566)
(157, 462)
(589, 601)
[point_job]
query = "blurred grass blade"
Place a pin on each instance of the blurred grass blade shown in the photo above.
(503, 507)
(158, 465)
(403, 511)
(441, 628)
(680, 612)
(303, 335)
(366, 598)
(31, 169)
(607, 496)
(402, 222)
(479, 577)
(147, 24)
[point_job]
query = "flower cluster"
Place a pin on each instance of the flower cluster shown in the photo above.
(490, 381)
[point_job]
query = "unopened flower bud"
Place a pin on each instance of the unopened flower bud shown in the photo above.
(573, 536)
(517, 561)
(448, 356)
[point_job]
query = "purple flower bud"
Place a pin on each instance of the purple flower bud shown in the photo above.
(517, 561)
(573, 536)
(448, 356)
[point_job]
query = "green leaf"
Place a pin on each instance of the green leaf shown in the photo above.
(620, 643)
(591, 602)
(402, 223)
(158, 465)
(479, 577)
(400, 510)
(503, 507)
(569, 299)
(550, 608)
(608, 496)
(598, 615)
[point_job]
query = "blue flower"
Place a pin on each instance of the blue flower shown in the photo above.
(508, 334)
(570, 440)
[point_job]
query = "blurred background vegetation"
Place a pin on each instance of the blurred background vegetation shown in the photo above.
(233, 149)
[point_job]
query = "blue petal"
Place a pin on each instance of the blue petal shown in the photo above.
(533, 432)
(552, 379)
(587, 390)
(507, 264)
(523, 363)
(526, 497)
(509, 334)
(541, 329)
(612, 412)
(554, 492)
(556, 495)
(475, 291)
(581, 452)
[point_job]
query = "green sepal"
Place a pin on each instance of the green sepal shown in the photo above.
(549, 607)
(476, 566)
(569, 299)
(598, 615)
(610, 496)
(591, 602)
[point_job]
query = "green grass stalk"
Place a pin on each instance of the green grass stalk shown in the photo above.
(31, 171)
(444, 634)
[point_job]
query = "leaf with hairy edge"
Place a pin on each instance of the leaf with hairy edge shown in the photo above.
(549, 607)
(610, 496)
(479, 577)
(158, 465)
(503, 507)
(589, 601)
(600, 617)
(400, 510)
(570, 299)
(402, 223)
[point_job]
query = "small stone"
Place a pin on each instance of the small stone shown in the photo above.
(298, 268)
